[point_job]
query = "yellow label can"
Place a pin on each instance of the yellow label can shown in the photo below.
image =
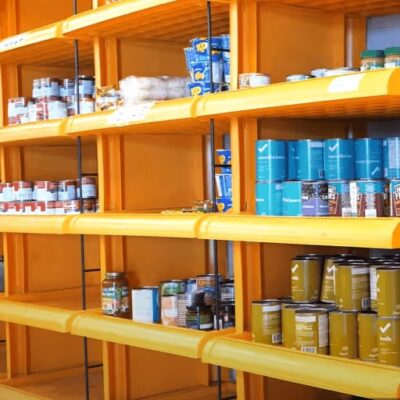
(343, 340)
(311, 329)
(389, 340)
(388, 291)
(328, 279)
(367, 336)
(266, 321)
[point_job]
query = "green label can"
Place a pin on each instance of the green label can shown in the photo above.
(174, 286)
(311, 327)
(343, 341)
(306, 278)
(266, 321)
(389, 340)
(388, 291)
(367, 336)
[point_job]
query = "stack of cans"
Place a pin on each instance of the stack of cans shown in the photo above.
(198, 65)
(223, 180)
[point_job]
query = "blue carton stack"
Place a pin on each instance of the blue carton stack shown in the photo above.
(198, 65)
(223, 181)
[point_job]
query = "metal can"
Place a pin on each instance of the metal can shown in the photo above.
(89, 188)
(227, 292)
(292, 159)
(370, 199)
(191, 286)
(269, 198)
(86, 87)
(389, 340)
(395, 198)
(339, 199)
(22, 190)
(59, 207)
(45, 190)
(367, 336)
(169, 310)
(339, 159)
(266, 321)
(187, 300)
(328, 279)
(36, 89)
(66, 190)
(145, 304)
(7, 191)
(391, 157)
(56, 109)
(254, 79)
(306, 278)
(311, 327)
(343, 340)
(373, 271)
(311, 160)
(289, 323)
(50, 89)
(388, 291)
(18, 112)
(67, 89)
(369, 158)
(352, 286)
(271, 162)
(173, 286)
(72, 206)
(314, 197)
(206, 284)
(226, 316)
(86, 106)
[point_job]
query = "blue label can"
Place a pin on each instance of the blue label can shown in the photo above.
(391, 157)
(339, 199)
(269, 198)
(270, 160)
(292, 159)
(314, 198)
(145, 304)
(311, 160)
(224, 204)
(339, 159)
(371, 198)
(395, 198)
(369, 158)
(291, 199)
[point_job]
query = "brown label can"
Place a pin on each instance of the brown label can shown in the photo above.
(389, 340)
(311, 330)
(306, 278)
(352, 287)
(388, 291)
(367, 336)
(343, 341)
(328, 279)
(266, 321)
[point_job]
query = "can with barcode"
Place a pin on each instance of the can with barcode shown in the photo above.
(305, 278)
(266, 321)
(22, 190)
(339, 199)
(6, 191)
(389, 340)
(311, 329)
(388, 291)
(66, 190)
(89, 187)
(370, 198)
(45, 190)
(367, 336)
(328, 279)
(343, 338)
(352, 286)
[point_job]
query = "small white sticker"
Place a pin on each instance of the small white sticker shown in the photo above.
(12, 41)
(130, 113)
(347, 83)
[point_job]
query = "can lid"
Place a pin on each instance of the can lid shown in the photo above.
(309, 257)
(115, 274)
(343, 312)
(392, 51)
(265, 301)
(372, 54)
(311, 310)
(173, 281)
(356, 264)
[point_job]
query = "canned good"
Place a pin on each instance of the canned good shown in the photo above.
(226, 315)
(191, 286)
(7, 191)
(206, 284)
(266, 321)
(66, 190)
(86, 106)
(391, 158)
(328, 279)
(311, 330)
(22, 190)
(169, 310)
(254, 79)
(115, 295)
(311, 160)
(227, 292)
(395, 198)
(89, 188)
(19, 207)
(37, 112)
(55, 109)
(59, 207)
(36, 89)
(298, 77)
(72, 206)
(343, 340)
(339, 159)
(367, 336)
(269, 198)
(271, 160)
(288, 324)
(292, 159)
(200, 317)
(389, 340)
(370, 198)
(388, 291)
(306, 278)
(50, 89)
(173, 286)
(40, 207)
(18, 112)
(145, 304)
(339, 199)
(187, 300)
(352, 286)
(45, 190)
(368, 158)
(67, 89)
(86, 87)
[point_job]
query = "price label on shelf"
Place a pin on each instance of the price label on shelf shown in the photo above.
(128, 113)
(346, 83)
(12, 42)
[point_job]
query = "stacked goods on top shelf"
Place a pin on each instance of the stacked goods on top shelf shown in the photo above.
(335, 177)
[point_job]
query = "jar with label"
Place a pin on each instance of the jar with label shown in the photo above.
(115, 295)
(372, 59)
(392, 57)
(199, 317)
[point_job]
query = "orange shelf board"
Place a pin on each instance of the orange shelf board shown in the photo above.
(350, 7)
(170, 20)
(7, 393)
(342, 375)
(326, 231)
(47, 310)
(358, 95)
(178, 341)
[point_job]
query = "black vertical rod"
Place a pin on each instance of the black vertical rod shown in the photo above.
(213, 191)
(82, 238)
